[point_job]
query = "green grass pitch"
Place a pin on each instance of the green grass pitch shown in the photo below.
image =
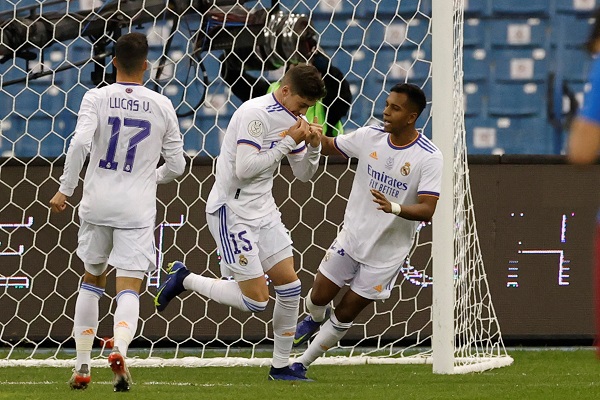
(545, 374)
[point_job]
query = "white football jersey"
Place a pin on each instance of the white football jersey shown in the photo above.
(261, 123)
(125, 128)
(401, 173)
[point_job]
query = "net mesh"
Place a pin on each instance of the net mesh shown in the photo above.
(52, 52)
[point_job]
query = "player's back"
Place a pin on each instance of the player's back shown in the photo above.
(120, 182)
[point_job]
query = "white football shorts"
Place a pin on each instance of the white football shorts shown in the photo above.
(126, 249)
(364, 280)
(248, 248)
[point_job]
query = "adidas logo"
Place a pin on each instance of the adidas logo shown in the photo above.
(374, 155)
(123, 324)
(378, 288)
(283, 134)
(88, 332)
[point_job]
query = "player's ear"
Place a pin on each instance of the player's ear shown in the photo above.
(115, 63)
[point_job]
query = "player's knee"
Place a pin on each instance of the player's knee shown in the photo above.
(255, 306)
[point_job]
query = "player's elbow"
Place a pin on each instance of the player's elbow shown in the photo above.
(582, 158)
(243, 173)
(179, 167)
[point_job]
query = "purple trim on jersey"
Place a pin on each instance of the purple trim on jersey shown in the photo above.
(128, 83)
(337, 147)
(284, 109)
(591, 102)
(295, 151)
(378, 128)
(250, 142)
(393, 146)
(425, 145)
(227, 252)
(426, 193)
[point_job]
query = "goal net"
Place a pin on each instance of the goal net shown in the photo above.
(53, 51)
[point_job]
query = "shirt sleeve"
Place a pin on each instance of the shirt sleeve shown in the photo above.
(591, 102)
(81, 142)
(252, 126)
(431, 176)
(350, 144)
(172, 149)
(304, 164)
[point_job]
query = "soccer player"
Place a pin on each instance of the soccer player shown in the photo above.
(125, 128)
(400, 171)
(584, 139)
(242, 215)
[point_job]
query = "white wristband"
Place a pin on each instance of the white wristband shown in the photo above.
(396, 209)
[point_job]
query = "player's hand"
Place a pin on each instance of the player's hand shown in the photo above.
(299, 130)
(58, 203)
(379, 198)
(315, 131)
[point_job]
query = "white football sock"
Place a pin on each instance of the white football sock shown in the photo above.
(317, 313)
(331, 332)
(86, 322)
(126, 319)
(285, 317)
(224, 292)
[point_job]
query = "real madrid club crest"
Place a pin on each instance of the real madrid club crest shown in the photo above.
(243, 260)
(405, 170)
(389, 163)
(255, 128)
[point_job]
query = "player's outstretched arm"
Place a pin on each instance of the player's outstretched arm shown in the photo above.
(422, 211)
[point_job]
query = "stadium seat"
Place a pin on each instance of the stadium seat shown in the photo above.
(340, 32)
(481, 135)
(475, 65)
(531, 32)
(405, 8)
(529, 8)
(408, 65)
(477, 8)
(474, 95)
(474, 34)
(525, 135)
(575, 64)
(398, 33)
(576, 7)
(514, 99)
(520, 65)
(570, 31)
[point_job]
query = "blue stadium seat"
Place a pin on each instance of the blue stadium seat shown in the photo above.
(341, 32)
(387, 7)
(481, 135)
(398, 33)
(475, 65)
(529, 7)
(569, 30)
(475, 99)
(574, 7)
(520, 65)
(575, 64)
(477, 8)
(355, 66)
(525, 136)
(514, 99)
(474, 33)
(530, 32)
(411, 65)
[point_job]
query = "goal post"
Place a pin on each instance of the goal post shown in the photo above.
(440, 311)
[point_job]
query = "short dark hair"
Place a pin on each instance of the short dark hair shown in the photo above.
(594, 34)
(415, 95)
(305, 80)
(131, 51)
